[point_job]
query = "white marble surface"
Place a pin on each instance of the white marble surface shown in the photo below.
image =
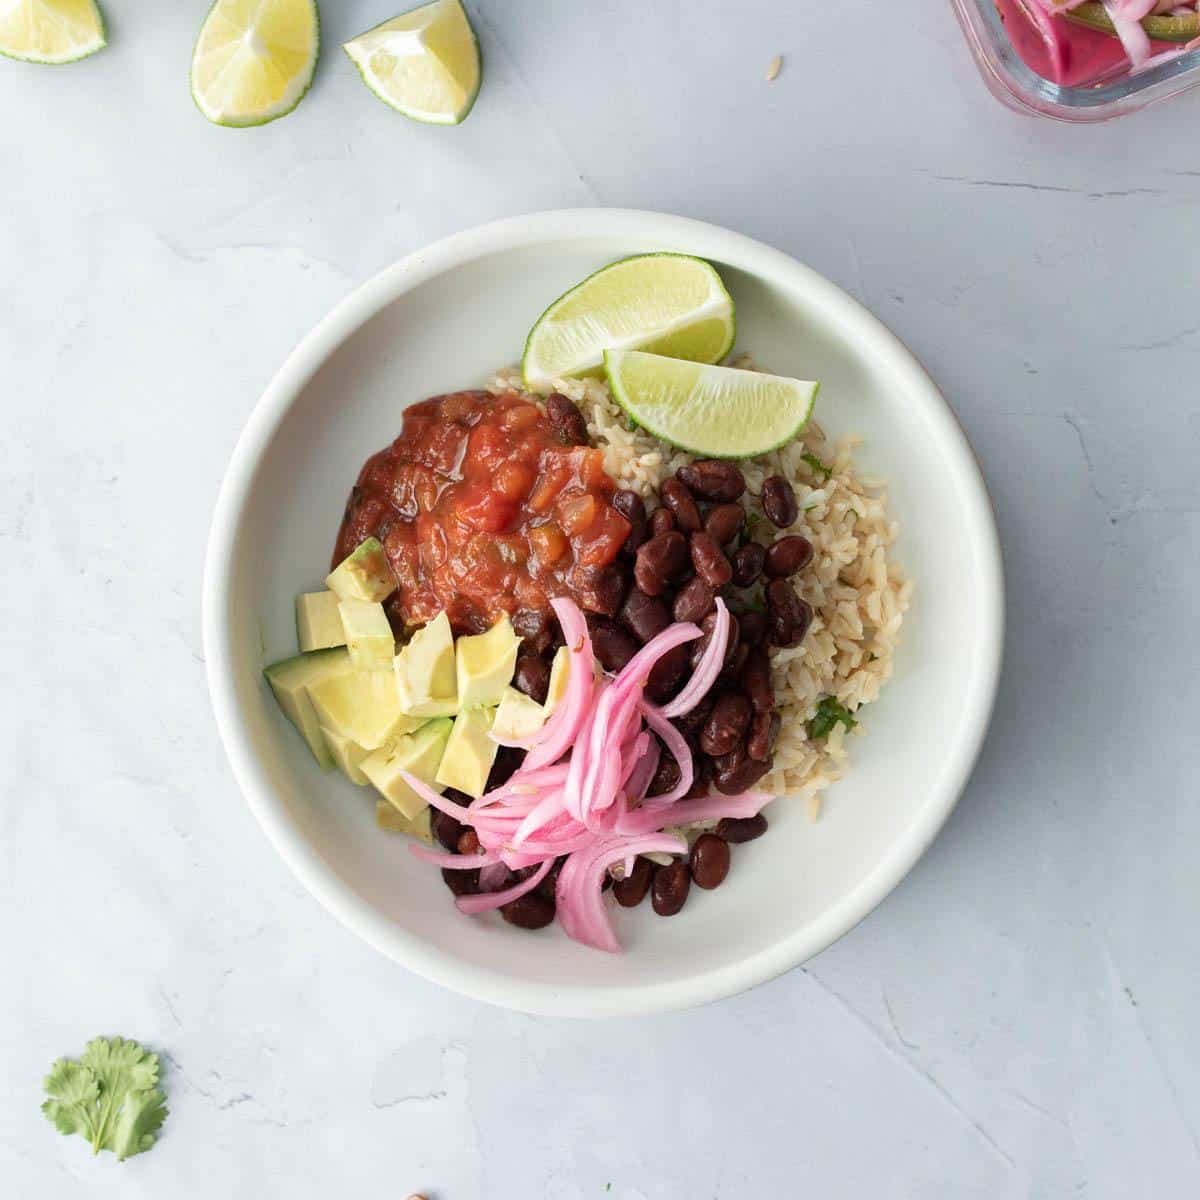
(1018, 1020)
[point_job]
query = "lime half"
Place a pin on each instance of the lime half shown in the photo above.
(255, 59)
(50, 31)
(719, 412)
(669, 304)
(424, 63)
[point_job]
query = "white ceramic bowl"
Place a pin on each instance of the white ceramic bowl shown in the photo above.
(442, 319)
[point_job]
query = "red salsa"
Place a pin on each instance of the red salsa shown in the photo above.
(482, 510)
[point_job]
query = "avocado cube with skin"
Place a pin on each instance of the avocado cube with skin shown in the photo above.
(425, 671)
(470, 752)
(363, 575)
(517, 716)
(290, 680)
(362, 706)
(485, 664)
(419, 754)
(318, 622)
(368, 634)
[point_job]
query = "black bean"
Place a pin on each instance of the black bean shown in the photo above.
(667, 674)
(534, 628)
(788, 615)
(611, 644)
(755, 680)
(788, 555)
(644, 616)
(702, 776)
(604, 587)
(666, 775)
(532, 676)
(724, 522)
(549, 884)
(669, 891)
(694, 601)
(662, 520)
(567, 420)
(445, 828)
(468, 842)
(779, 501)
(748, 561)
(709, 560)
(659, 561)
(741, 829)
(530, 911)
(461, 883)
(733, 666)
(631, 891)
(727, 724)
(710, 861)
(692, 722)
(752, 627)
(712, 479)
(740, 772)
(682, 503)
(633, 509)
(508, 759)
(764, 733)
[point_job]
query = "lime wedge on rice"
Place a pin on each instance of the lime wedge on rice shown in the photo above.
(670, 304)
(50, 31)
(424, 63)
(255, 59)
(719, 412)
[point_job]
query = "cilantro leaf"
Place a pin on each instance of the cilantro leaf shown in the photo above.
(817, 465)
(829, 713)
(748, 528)
(109, 1096)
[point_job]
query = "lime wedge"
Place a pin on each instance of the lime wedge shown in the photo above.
(255, 59)
(719, 412)
(669, 304)
(50, 31)
(424, 63)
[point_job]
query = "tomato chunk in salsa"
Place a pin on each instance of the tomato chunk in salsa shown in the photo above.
(482, 510)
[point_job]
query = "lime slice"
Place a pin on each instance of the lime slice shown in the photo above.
(424, 63)
(720, 412)
(255, 59)
(50, 31)
(669, 304)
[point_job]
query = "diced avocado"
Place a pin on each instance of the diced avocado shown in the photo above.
(485, 664)
(363, 575)
(368, 634)
(347, 754)
(362, 706)
(518, 716)
(425, 671)
(469, 752)
(559, 669)
(290, 680)
(420, 754)
(318, 623)
(394, 821)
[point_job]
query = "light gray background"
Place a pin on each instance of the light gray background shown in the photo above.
(1018, 1019)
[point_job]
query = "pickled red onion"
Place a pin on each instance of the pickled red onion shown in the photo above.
(492, 900)
(707, 669)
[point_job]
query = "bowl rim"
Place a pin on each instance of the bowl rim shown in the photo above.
(346, 317)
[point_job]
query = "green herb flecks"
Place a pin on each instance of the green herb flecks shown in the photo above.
(109, 1096)
(829, 713)
(748, 527)
(817, 465)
